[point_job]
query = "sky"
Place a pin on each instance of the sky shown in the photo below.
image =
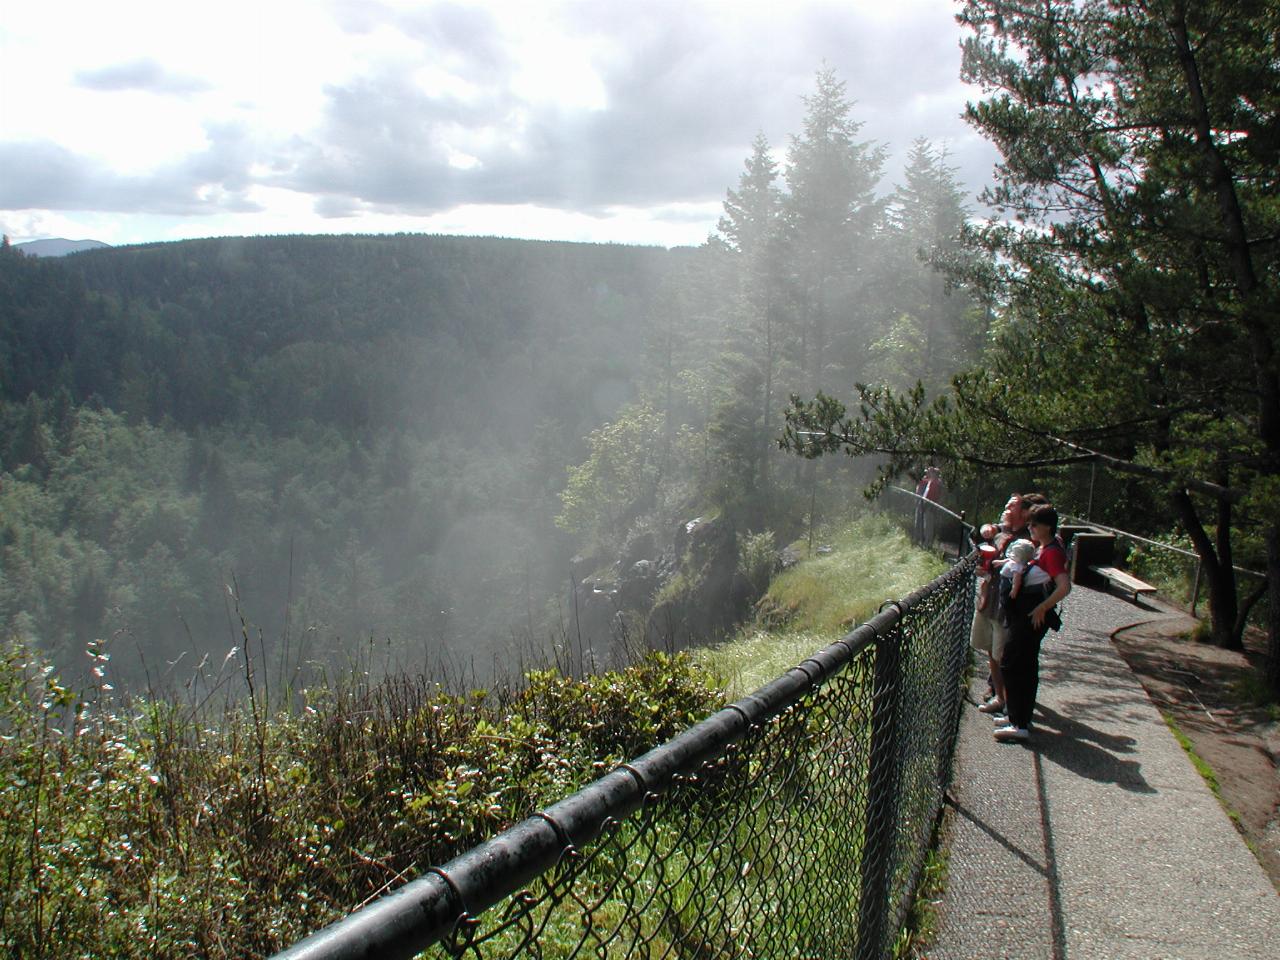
(600, 120)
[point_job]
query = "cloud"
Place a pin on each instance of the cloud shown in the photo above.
(683, 94)
(400, 109)
(146, 75)
(45, 175)
(672, 123)
(41, 174)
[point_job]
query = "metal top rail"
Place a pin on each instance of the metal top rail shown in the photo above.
(1154, 543)
(428, 909)
(934, 503)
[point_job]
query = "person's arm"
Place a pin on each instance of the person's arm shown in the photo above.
(1017, 585)
(1061, 587)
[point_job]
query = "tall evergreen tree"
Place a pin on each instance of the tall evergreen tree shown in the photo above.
(750, 232)
(832, 213)
(934, 327)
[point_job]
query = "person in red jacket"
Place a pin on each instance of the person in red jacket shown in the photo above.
(929, 488)
(988, 633)
(1031, 615)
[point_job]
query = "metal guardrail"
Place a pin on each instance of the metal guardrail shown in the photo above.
(1168, 547)
(934, 525)
(794, 822)
(1198, 576)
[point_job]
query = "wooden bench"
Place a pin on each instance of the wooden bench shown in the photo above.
(1090, 548)
(1126, 582)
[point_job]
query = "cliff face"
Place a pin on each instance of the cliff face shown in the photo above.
(693, 589)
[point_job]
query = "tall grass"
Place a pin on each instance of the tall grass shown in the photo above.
(228, 825)
(156, 827)
(862, 564)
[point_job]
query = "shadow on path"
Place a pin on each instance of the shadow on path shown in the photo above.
(963, 811)
(1088, 752)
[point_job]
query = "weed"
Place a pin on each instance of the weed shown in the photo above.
(1203, 768)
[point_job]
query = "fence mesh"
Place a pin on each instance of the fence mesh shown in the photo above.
(791, 824)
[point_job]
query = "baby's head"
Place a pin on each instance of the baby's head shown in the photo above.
(988, 531)
(1022, 551)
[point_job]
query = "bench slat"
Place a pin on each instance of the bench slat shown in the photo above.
(1124, 580)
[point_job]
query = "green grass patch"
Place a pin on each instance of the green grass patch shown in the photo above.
(820, 599)
(921, 926)
(1205, 771)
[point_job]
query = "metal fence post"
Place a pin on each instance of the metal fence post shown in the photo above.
(879, 832)
(958, 647)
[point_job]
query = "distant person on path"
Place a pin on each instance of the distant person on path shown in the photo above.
(1030, 617)
(988, 634)
(929, 488)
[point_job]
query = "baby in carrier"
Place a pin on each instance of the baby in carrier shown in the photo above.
(1019, 579)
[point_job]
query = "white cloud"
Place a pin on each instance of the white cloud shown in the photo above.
(149, 120)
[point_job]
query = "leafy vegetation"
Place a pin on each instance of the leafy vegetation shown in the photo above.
(166, 827)
(230, 821)
(357, 435)
(1132, 271)
(413, 437)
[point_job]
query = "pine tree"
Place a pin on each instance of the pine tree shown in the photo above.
(935, 325)
(832, 214)
(1136, 267)
(752, 237)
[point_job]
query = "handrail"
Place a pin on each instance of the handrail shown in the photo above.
(1156, 543)
(430, 908)
(934, 503)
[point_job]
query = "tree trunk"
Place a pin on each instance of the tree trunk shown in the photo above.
(1231, 637)
(1273, 608)
(1219, 576)
(768, 399)
(1256, 313)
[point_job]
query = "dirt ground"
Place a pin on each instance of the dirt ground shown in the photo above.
(1202, 688)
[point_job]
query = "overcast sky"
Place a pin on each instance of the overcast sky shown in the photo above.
(131, 121)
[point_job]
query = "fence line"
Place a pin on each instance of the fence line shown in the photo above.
(794, 822)
(1258, 574)
(934, 525)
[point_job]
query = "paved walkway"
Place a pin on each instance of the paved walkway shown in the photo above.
(1099, 839)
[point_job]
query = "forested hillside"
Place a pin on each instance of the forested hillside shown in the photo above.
(363, 432)
(458, 448)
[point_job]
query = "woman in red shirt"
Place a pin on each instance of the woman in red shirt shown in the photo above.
(1029, 620)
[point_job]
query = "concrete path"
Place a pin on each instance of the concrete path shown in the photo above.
(1099, 839)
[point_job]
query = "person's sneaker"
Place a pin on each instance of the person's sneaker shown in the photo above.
(1012, 734)
(1000, 719)
(992, 706)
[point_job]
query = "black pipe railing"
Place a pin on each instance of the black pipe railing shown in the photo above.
(793, 822)
(931, 524)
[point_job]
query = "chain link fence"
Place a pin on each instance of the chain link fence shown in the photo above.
(793, 823)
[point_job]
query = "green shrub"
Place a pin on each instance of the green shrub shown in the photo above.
(757, 559)
(161, 828)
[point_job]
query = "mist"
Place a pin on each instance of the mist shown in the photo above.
(461, 453)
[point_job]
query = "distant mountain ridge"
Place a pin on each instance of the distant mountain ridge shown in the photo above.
(57, 247)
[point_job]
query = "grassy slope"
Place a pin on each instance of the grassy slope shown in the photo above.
(820, 599)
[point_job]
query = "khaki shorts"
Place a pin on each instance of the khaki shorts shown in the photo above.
(988, 636)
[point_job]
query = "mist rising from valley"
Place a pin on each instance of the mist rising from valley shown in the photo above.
(454, 454)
